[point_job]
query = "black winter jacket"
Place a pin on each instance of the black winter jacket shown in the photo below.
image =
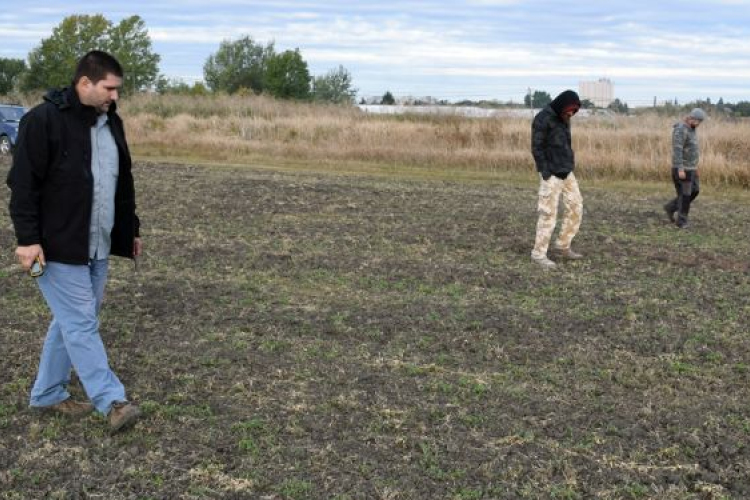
(551, 144)
(52, 185)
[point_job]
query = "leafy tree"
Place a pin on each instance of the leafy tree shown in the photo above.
(335, 86)
(618, 106)
(587, 104)
(53, 62)
(287, 76)
(742, 108)
(539, 100)
(238, 64)
(130, 44)
(176, 86)
(10, 72)
(388, 99)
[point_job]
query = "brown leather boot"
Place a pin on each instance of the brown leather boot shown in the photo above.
(568, 254)
(69, 408)
(571, 255)
(544, 262)
(123, 414)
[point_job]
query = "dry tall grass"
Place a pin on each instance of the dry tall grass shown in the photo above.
(232, 128)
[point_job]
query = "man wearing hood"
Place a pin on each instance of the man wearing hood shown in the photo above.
(72, 205)
(553, 154)
(685, 155)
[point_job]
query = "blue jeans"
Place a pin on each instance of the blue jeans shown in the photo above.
(74, 294)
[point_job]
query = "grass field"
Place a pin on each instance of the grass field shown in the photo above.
(235, 128)
(294, 334)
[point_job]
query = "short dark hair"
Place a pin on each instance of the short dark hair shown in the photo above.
(96, 65)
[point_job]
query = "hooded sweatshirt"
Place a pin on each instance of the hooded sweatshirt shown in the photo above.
(685, 151)
(551, 142)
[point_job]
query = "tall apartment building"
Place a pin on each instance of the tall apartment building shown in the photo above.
(600, 92)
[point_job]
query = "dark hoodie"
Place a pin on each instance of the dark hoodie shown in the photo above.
(52, 185)
(565, 100)
(551, 142)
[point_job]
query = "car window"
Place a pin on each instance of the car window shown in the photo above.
(9, 113)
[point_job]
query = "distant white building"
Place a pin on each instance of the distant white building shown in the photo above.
(600, 92)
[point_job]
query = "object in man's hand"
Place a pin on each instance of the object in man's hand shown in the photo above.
(37, 269)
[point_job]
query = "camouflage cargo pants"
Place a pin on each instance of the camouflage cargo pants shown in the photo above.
(549, 197)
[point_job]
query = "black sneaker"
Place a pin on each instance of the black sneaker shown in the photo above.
(669, 212)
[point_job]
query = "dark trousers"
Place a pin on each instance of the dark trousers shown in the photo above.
(687, 190)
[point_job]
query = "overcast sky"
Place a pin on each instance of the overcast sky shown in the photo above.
(472, 49)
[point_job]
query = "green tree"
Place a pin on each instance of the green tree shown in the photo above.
(619, 107)
(538, 100)
(335, 86)
(176, 86)
(742, 108)
(236, 65)
(130, 44)
(53, 62)
(388, 99)
(287, 76)
(10, 72)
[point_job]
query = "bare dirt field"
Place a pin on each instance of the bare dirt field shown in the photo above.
(299, 335)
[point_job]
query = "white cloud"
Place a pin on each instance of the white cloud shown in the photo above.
(435, 45)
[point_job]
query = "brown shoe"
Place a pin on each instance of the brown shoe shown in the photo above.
(571, 255)
(544, 262)
(123, 414)
(68, 408)
(567, 253)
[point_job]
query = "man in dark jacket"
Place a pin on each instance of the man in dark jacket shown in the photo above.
(72, 205)
(553, 154)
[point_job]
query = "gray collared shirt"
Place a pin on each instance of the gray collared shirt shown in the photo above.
(105, 166)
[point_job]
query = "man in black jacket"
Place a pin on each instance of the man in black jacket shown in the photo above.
(552, 148)
(72, 205)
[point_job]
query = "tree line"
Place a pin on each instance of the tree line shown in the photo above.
(243, 65)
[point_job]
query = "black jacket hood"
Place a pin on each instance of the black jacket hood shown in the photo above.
(52, 184)
(565, 100)
(67, 98)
